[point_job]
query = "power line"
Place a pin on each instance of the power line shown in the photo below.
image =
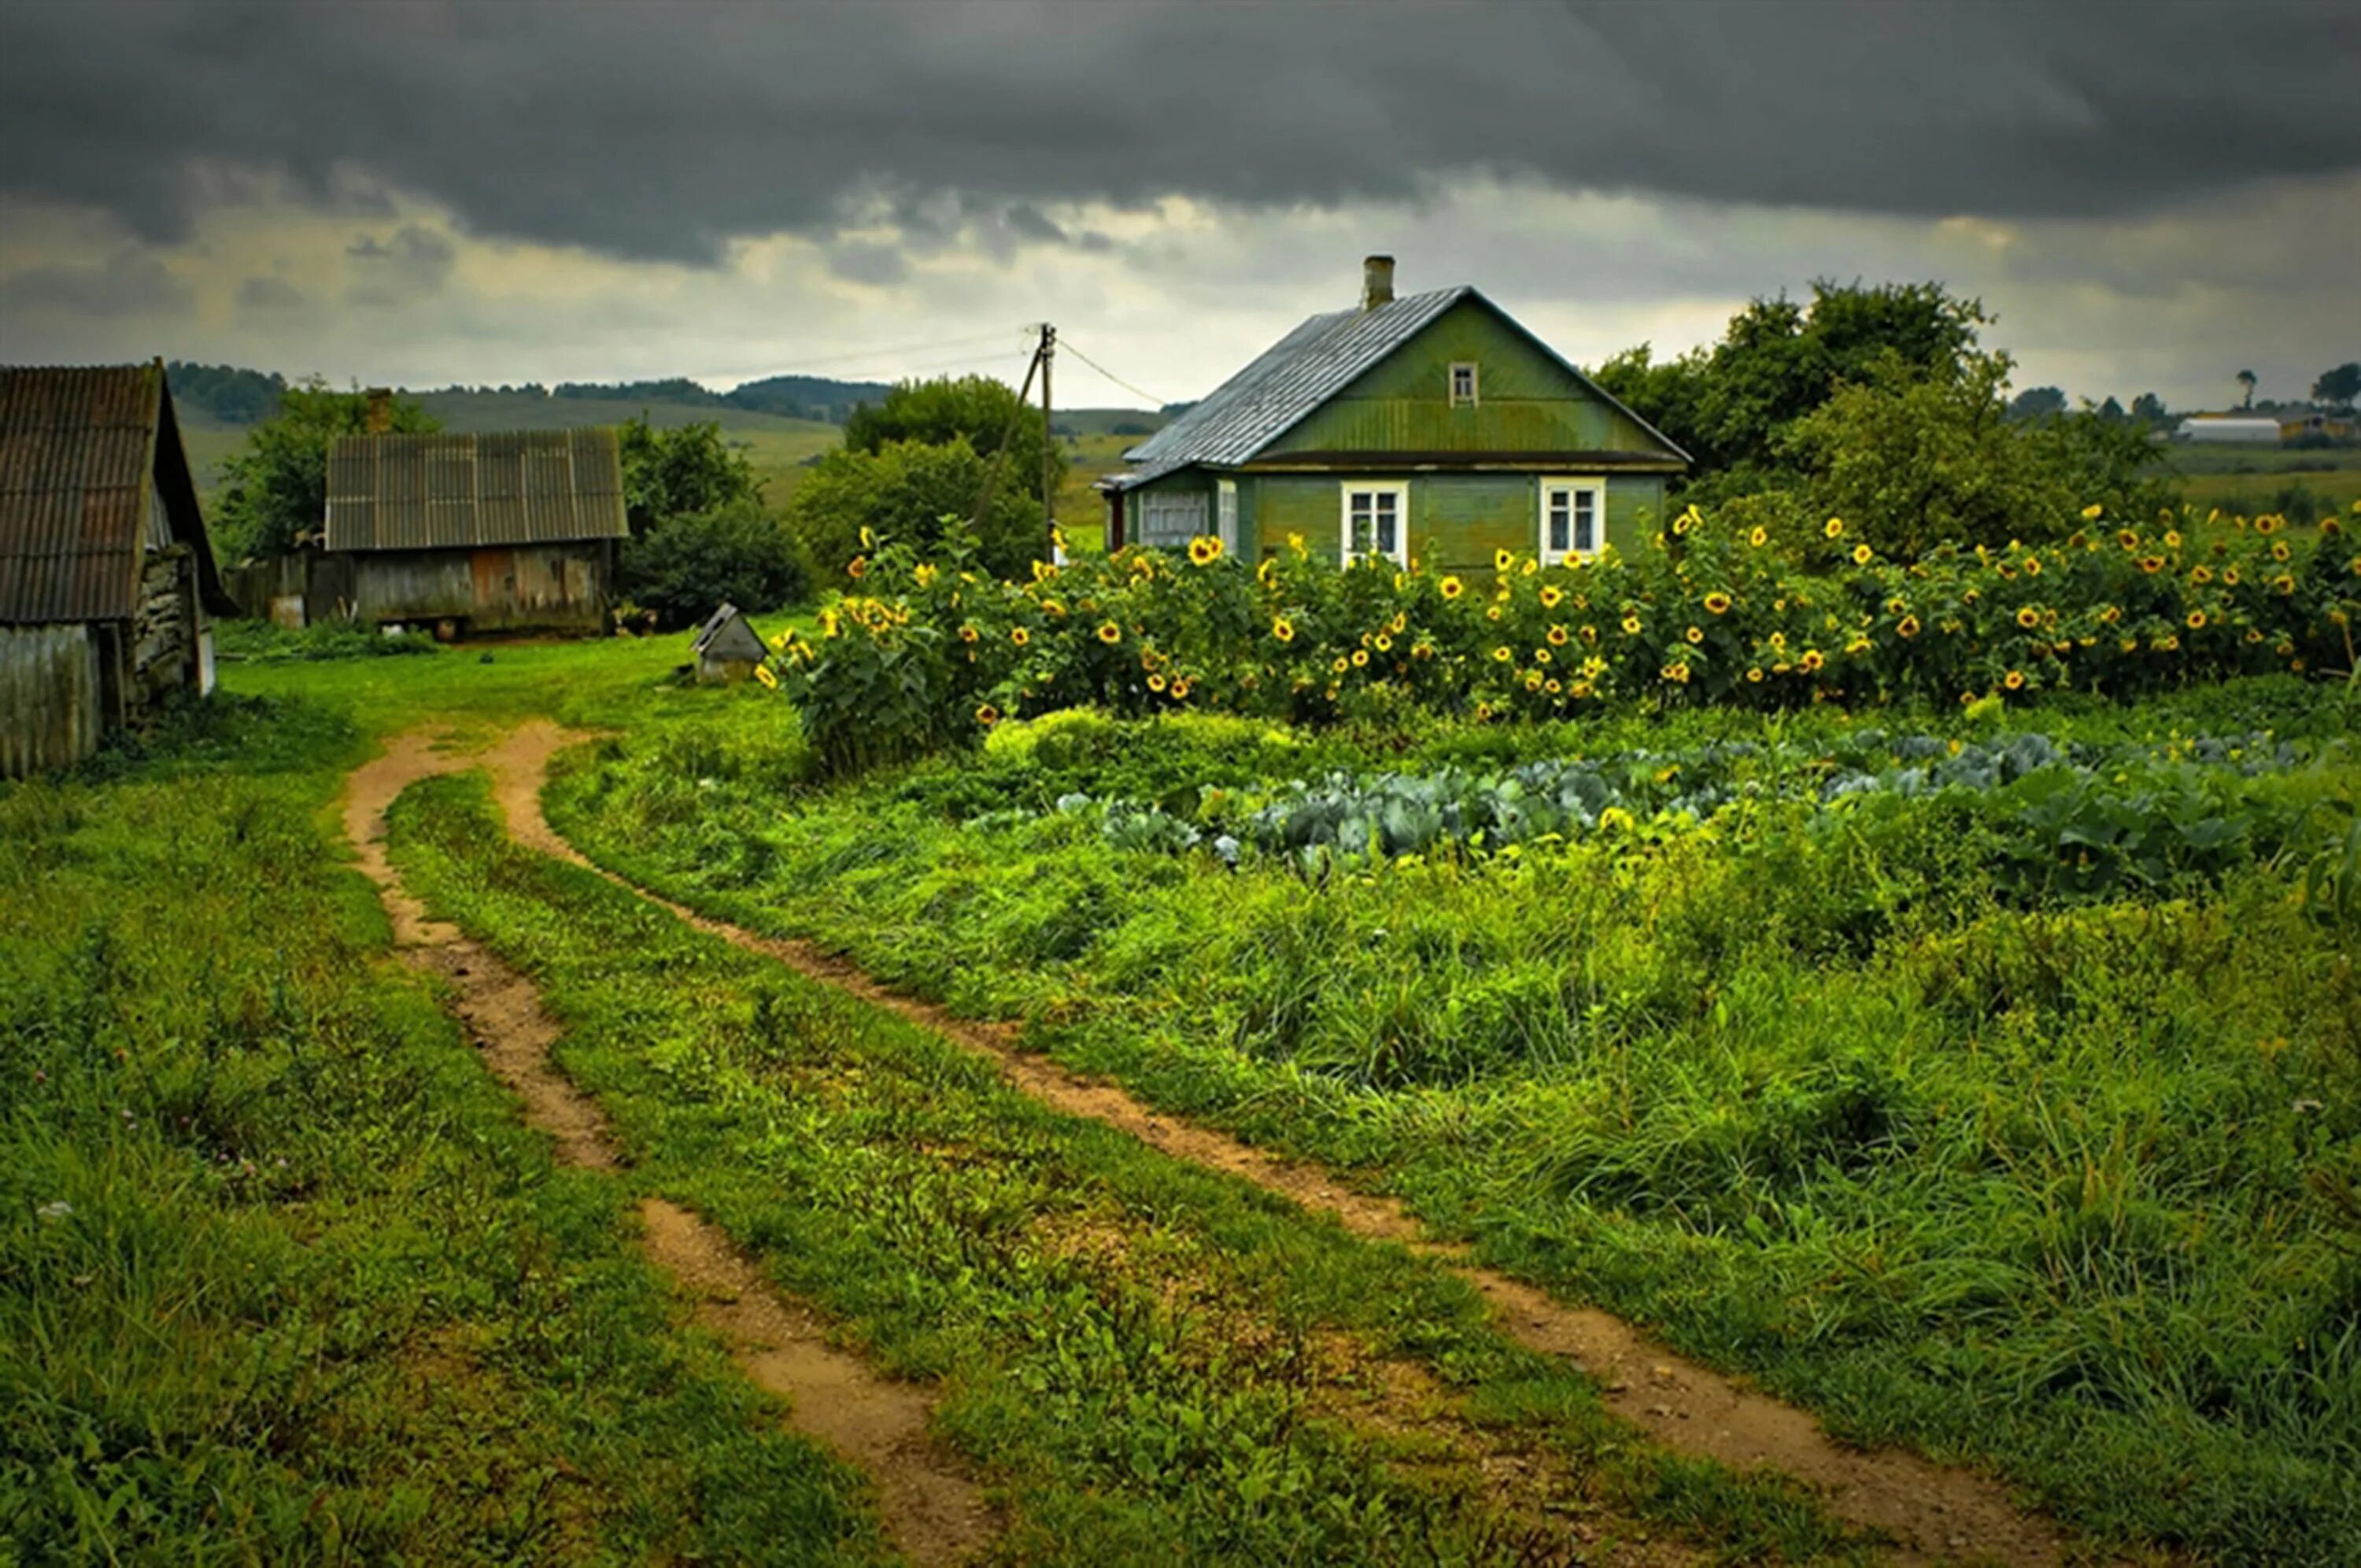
(872, 355)
(1068, 344)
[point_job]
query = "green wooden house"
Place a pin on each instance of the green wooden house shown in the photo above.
(1431, 427)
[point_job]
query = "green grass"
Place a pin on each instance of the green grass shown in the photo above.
(2302, 485)
(2001, 1169)
(1154, 1363)
(286, 1281)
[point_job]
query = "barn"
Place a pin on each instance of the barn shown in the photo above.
(514, 532)
(107, 585)
(1431, 425)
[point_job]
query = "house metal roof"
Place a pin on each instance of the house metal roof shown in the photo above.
(79, 448)
(461, 493)
(1302, 370)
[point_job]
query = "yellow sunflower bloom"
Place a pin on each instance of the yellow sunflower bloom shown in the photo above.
(1631, 625)
(1452, 587)
(1551, 596)
(1694, 634)
(1717, 603)
(1110, 632)
(1759, 536)
(1833, 528)
(2091, 513)
(2029, 618)
(763, 674)
(1283, 628)
(1556, 636)
(1503, 559)
(1909, 626)
(1204, 550)
(1860, 555)
(1501, 656)
(987, 715)
(2014, 680)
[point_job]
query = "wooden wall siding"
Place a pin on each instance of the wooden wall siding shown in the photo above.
(1525, 400)
(1457, 520)
(547, 587)
(52, 710)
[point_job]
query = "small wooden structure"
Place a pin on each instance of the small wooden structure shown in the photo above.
(728, 649)
(514, 531)
(107, 584)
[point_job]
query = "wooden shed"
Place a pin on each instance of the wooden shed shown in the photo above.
(515, 532)
(107, 585)
(1432, 426)
(728, 648)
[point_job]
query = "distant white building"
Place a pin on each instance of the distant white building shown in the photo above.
(2257, 430)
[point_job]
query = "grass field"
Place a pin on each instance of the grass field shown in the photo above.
(2304, 484)
(1892, 1106)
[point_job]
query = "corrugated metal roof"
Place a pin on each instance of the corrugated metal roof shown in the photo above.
(1304, 369)
(440, 492)
(77, 448)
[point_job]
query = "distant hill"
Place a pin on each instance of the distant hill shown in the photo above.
(231, 395)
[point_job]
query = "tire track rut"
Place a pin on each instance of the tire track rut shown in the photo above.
(932, 1513)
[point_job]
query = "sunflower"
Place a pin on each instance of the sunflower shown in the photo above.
(2280, 551)
(1540, 655)
(1204, 550)
(1493, 613)
(1551, 596)
(1758, 536)
(1452, 587)
(1631, 625)
(1019, 636)
(2014, 680)
(2033, 565)
(1503, 559)
(2127, 539)
(1360, 658)
(858, 567)
(1908, 627)
(1156, 683)
(2091, 513)
(1754, 676)
(1180, 690)
(2267, 524)
(1382, 642)
(1833, 528)
(1860, 555)
(1694, 634)
(1532, 680)
(1589, 634)
(1501, 656)
(1718, 602)
(2112, 614)
(2201, 574)
(1810, 660)
(763, 674)
(1110, 632)
(2172, 538)
(969, 633)
(1556, 636)
(2151, 564)
(2029, 618)
(1341, 665)
(2253, 635)
(2283, 583)
(2196, 620)
(1283, 628)
(2230, 575)
(987, 715)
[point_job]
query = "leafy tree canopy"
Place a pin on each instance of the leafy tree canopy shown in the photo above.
(975, 410)
(669, 473)
(737, 554)
(2037, 402)
(2340, 388)
(276, 491)
(1729, 406)
(229, 394)
(916, 493)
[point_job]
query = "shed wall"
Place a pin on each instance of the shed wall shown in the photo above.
(541, 587)
(52, 707)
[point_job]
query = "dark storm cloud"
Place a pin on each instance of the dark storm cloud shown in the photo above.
(125, 280)
(666, 131)
(266, 293)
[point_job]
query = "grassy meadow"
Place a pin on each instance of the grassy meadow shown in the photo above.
(2302, 485)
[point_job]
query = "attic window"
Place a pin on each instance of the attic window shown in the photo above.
(1463, 383)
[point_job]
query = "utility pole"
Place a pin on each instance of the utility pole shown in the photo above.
(1047, 352)
(1040, 364)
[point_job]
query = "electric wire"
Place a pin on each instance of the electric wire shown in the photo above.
(1154, 401)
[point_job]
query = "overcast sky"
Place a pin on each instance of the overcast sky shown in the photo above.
(2152, 196)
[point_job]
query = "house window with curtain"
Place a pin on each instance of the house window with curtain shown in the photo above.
(1573, 519)
(1463, 384)
(1377, 521)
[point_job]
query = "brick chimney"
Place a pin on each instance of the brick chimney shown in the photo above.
(1377, 283)
(380, 410)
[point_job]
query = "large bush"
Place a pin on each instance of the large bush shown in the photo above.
(976, 411)
(686, 472)
(1707, 612)
(920, 496)
(737, 554)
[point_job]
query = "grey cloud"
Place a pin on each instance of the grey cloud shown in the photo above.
(666, 132)
(412, 263)
(125, 282)
(266, 294)
(880, 266)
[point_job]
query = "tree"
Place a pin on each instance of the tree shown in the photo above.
(1911, 461)
(1730, 406)
(974, 410)
(2150, 409)
(2340, 388)
(680, 473)
(2111, 411)
(916, 493)
(2247, 381)
(2037, 402)
(276, 491)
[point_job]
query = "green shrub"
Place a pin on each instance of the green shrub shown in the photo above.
(736, 556)
(921, 497)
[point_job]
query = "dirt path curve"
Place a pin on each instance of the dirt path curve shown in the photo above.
(932, 1513)
(1931, 1511)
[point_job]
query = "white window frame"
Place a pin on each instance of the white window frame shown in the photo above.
(1451, 383)
(1225, 513)
(1594, 485)
(1399, 490)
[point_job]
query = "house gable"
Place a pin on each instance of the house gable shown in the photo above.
(1528, 406)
